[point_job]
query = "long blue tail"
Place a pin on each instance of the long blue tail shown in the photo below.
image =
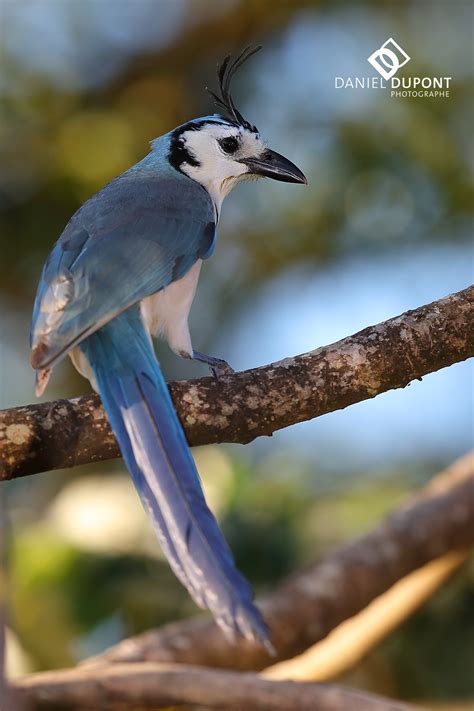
(153, 445)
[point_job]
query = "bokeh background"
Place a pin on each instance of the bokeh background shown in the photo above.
(383, 226)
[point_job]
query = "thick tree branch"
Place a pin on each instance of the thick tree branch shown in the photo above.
(312, 603)
(150, 686)
(256, 402)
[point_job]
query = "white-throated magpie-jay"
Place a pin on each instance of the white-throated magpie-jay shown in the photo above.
(126, 267)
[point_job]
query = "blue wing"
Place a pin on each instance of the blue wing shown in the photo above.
(142, 231)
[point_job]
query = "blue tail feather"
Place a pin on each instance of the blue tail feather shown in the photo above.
(154, 447)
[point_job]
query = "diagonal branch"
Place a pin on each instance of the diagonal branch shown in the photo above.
(240, 407)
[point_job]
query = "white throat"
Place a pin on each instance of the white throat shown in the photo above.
(217, 172)
(218, 186)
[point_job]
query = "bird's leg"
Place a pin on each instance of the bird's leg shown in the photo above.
(217, 366)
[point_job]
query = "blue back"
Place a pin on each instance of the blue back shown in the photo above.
(142, 231)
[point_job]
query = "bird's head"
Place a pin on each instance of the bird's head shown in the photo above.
(219, 151)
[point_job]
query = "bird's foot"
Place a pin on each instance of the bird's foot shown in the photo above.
(217, 366)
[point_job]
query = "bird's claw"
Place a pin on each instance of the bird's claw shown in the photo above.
(220, 368)
(217, 366)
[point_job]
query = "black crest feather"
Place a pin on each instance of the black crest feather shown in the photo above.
(225, 73)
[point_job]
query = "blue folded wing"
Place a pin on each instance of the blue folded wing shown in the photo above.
(138, 234)
(155, 450)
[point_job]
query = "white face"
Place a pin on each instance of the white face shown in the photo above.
(219, 150)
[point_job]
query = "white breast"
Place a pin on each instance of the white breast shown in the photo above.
(81, 363)
(166, 313)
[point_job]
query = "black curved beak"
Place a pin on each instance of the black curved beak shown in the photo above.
(270, 164)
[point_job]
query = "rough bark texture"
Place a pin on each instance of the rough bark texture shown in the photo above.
(312, 603)
(151, 686)
(240, 407)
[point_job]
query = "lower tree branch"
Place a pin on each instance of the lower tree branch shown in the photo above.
(151, 685)
(312, 603)
(243, 406)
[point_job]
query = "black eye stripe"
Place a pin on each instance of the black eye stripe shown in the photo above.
(229, 144)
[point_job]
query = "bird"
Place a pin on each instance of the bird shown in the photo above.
(125, 269)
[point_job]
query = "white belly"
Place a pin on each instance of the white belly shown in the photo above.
(166, 313)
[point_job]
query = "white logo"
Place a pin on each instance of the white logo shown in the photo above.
(388, 59)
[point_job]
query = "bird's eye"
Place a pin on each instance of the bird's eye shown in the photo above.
(229, 145)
